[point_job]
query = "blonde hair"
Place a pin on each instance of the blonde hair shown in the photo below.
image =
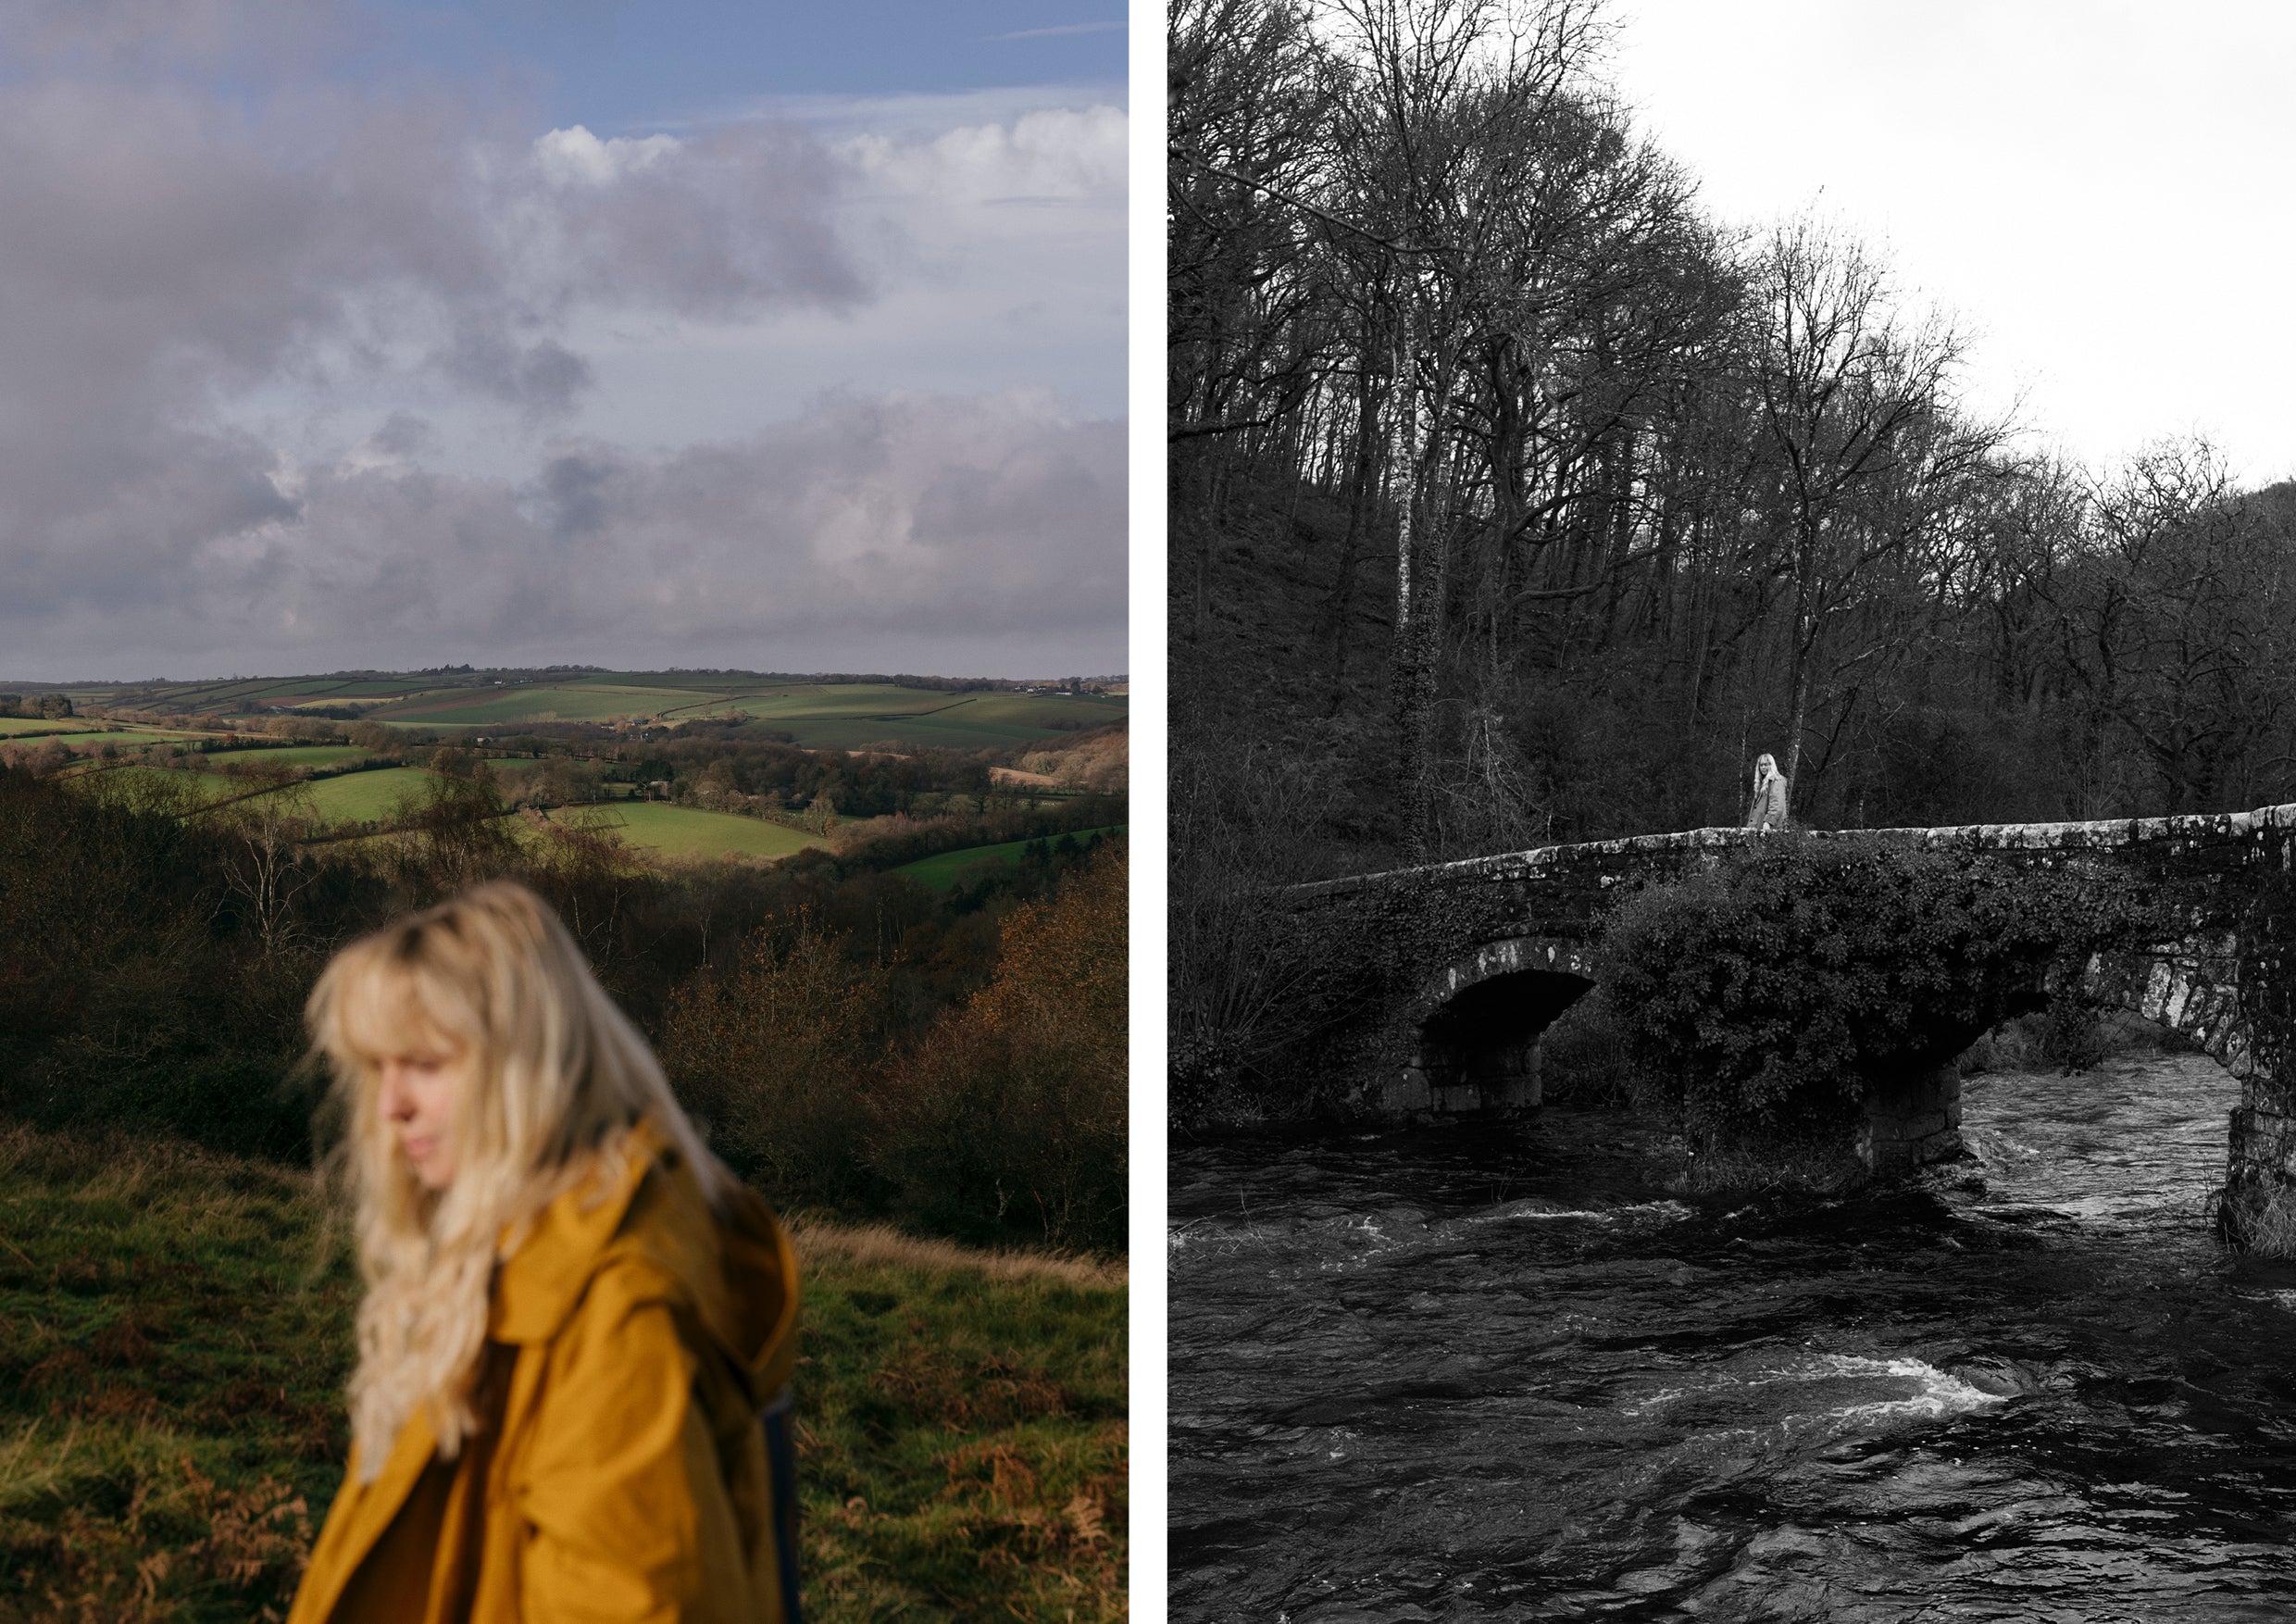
(557, 1076)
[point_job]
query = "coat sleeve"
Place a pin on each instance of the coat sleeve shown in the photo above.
(615, 1490)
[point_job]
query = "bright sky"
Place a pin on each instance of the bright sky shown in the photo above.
(2097, 193)
(772, 333)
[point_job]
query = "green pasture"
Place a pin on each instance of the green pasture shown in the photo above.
(361, 797)
(688, 832)
(941, 872)
(160, 784)
(291, 755)
(555, 702)
(175, 1329)
(136, 738)
(788, 700)
(14, 727)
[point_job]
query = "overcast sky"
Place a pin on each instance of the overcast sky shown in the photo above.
(2096, 192)
(710, 332)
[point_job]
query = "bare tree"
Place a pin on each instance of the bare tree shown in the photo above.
(263, 865)
(1852, 399)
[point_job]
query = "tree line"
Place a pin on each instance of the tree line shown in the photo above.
(1581, 499)
(854, 1041)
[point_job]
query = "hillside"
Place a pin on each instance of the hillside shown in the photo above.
(816, 712)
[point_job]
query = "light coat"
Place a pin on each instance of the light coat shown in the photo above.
(1768, 810)
(619, 1470)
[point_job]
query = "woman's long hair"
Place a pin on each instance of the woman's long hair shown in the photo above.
(557, 1076)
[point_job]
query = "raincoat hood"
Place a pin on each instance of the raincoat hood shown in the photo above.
(730, 1267)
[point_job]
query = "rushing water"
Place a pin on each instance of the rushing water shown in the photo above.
(1493, 1373)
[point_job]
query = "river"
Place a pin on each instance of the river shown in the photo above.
(1483, 1372)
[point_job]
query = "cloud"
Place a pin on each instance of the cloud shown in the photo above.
(1074, 155)
(884, 523)
(1059, 31)
(575, 158)
(376, 376)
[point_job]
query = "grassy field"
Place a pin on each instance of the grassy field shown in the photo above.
(552, 702)
(292, 756)
(838, 716)
(688, 832)
(373, 796)
(359, 798)
(939, 873)
(173, 1339)
(825, 716)
(136, 738)
(197, 787)
(15, 726)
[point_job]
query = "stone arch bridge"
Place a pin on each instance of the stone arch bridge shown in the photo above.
(1427, 989)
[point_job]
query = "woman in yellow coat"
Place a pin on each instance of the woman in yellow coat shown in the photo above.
(574, 1315)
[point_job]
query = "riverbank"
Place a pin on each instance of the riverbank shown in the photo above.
(174, 1336)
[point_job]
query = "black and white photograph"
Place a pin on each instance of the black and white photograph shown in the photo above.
(1731, 1044)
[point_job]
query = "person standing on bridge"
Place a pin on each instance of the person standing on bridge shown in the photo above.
(1768, 810)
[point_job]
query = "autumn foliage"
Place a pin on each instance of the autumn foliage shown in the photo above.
(1003, 1120)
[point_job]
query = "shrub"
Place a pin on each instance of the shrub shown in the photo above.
(774, 1059)
(1762, 994)
(1010, 1116)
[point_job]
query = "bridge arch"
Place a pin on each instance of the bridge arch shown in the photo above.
(1476, 1025)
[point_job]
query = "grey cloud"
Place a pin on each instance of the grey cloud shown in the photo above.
(543, 377)
(986, 525)
(166, 36)
(403, 434)
(712, 227)
(573, 489)
(165, 252)
(180, 276)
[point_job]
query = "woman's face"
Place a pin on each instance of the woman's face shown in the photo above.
(415, 1096)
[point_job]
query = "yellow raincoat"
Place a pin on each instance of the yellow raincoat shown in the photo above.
(620, 1471)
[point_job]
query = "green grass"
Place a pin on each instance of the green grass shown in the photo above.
(941, 872)
(555, 702)
(823, 716)
(136, 738)
(172, 1347)
(688, 832)
(820, 701)
(168, 1367)
(361, 797)
(197, 787)
(13, 726)
(291, 755)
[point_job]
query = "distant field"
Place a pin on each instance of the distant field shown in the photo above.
(197, 786)
(14, 726)
(939, 873)
(356, 797)
(688, 832)
(555, 702)
(846, 717)
(821, 716)
(820, 701)
(291, 755)
(824, 715)
(127, 738)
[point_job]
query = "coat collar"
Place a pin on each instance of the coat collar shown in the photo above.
(538, 1284)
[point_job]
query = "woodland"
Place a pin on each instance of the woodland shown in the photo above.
(1517, 499)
